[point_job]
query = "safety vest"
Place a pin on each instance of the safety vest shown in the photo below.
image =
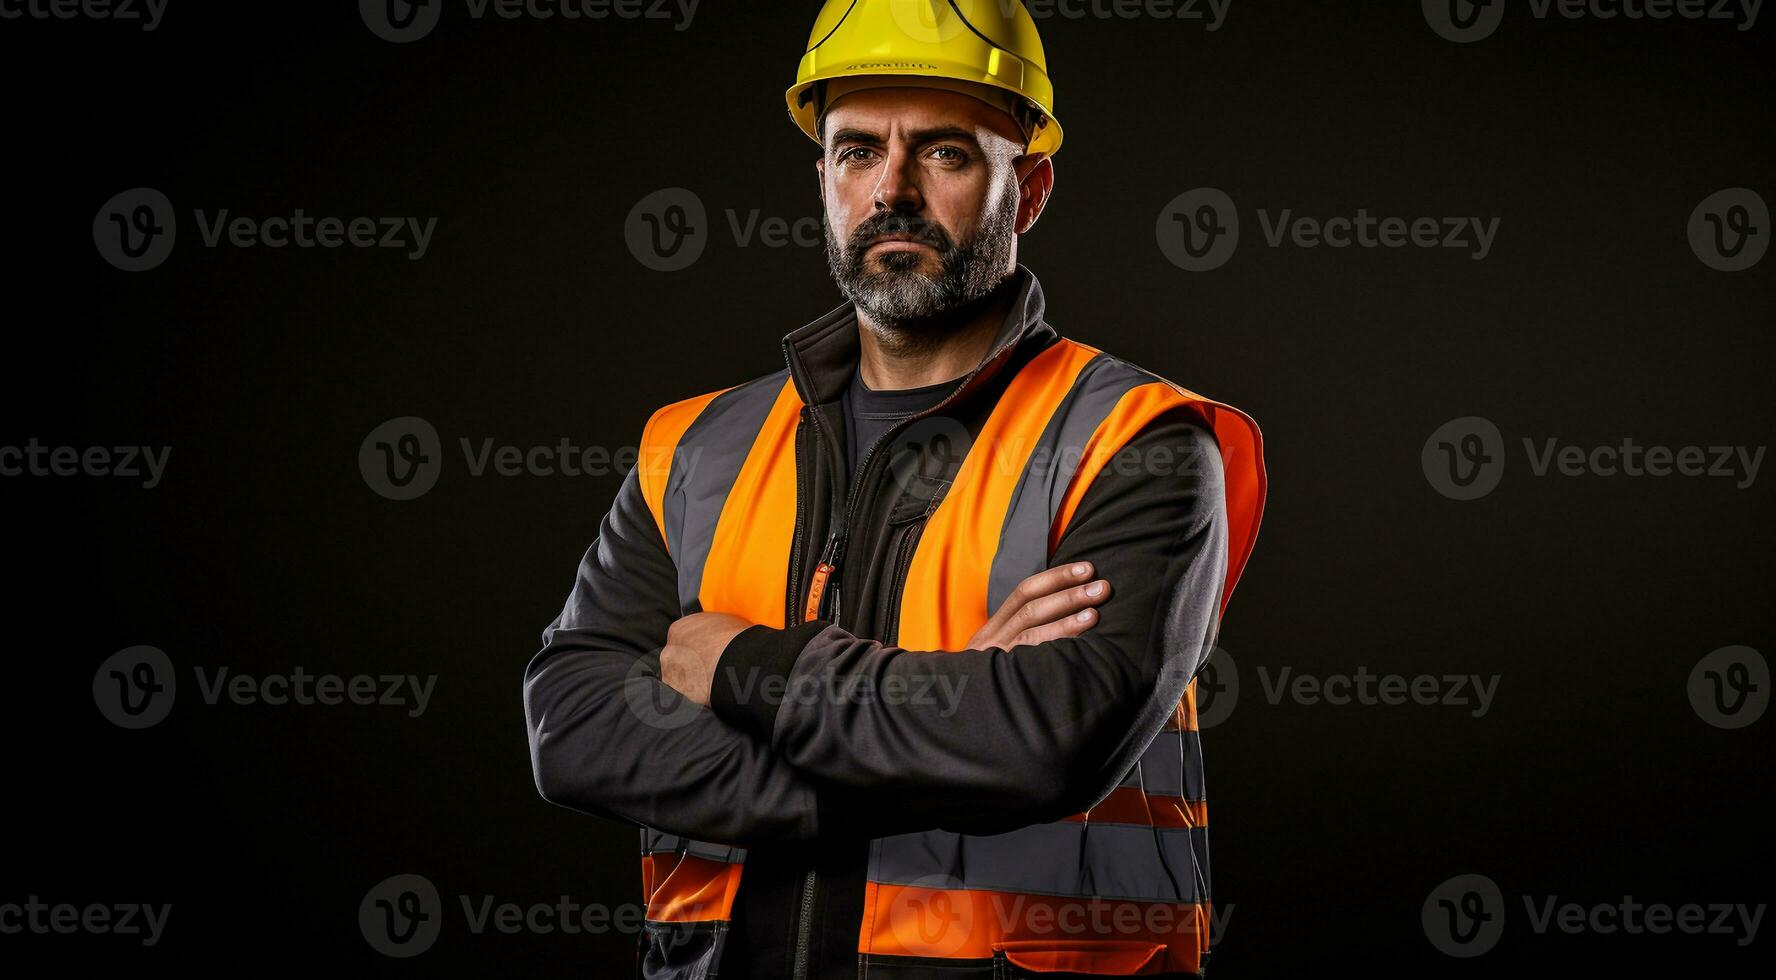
(1121, 889)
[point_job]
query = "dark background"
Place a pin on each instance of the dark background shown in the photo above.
(1592, 777)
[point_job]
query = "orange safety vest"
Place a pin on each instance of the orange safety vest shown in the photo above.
(1121, 889)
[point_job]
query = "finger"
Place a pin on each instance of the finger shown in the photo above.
(1072, 625)
(1052, 608)
(1046, 582)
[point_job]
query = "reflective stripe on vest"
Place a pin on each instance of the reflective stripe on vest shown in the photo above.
(736, 445)
(1122, 888)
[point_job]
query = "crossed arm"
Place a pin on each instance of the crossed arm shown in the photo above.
(1019, 735)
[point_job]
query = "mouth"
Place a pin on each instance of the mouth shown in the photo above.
(898, 243)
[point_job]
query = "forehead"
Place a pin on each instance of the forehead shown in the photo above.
(884, 111)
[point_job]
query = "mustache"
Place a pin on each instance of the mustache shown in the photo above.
(895, 223)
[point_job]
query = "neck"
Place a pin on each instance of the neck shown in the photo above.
(942, 348)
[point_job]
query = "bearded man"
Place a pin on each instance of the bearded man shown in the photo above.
(891, 653)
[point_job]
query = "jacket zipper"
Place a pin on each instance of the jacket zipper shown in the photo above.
(790, 609)
(804, 926)
(827, 570)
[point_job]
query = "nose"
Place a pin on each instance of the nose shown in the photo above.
(898, 187)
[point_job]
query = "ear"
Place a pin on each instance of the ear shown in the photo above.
(1035, 183)
(820, 177)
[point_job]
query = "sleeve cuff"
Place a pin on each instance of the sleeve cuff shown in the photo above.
(753, 672)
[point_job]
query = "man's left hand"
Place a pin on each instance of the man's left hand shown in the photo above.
(694, 644)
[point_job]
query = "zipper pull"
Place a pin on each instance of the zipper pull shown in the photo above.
(823, 570)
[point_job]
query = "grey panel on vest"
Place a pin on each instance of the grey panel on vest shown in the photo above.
(1036, 500)
(1083, 860)
(1171, 766)
(705, 465)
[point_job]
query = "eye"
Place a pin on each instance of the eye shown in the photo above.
(949, 154)
(847, 156)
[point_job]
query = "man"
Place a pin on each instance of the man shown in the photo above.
(891, 653)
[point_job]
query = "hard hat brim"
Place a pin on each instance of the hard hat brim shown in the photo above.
(1046, 139)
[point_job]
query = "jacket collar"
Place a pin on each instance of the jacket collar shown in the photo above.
(823, 355)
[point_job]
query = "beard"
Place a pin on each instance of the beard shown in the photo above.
(908, 309)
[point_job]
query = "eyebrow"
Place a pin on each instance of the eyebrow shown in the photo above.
(852, 134)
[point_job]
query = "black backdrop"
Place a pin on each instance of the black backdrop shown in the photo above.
(1593, 775)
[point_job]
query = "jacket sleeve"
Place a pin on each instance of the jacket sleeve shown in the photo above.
(608, 738)
(1004, 738)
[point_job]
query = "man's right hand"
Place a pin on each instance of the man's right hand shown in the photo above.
(1050, 604)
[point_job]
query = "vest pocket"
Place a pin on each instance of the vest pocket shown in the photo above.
(905, 539)
(908, 519)
(1056, 959)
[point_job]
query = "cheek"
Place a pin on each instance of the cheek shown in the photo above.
(960, 201)
(846, 205)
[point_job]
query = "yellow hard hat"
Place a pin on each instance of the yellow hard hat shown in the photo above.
(958, 45)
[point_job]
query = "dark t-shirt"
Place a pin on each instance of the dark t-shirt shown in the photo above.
(869, 413)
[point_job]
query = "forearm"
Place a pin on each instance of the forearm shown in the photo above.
(995, 738)
(608, 738)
